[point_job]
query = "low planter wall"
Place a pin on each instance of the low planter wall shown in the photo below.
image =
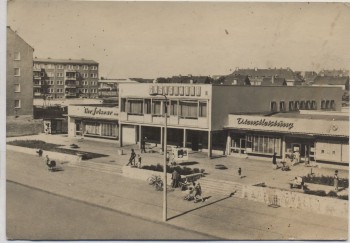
(290, 199)
(59, 157)
(142, 174)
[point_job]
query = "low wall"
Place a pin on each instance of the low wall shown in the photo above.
(59, 157)
(142, 174)
(290, 199)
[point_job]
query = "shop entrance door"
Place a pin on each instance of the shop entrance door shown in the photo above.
(242, 145)
(78, 128)
(303, 150)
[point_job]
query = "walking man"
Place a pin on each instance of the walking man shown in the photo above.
(175, 177)
(132, 158)
(143, 145)
(274, 160)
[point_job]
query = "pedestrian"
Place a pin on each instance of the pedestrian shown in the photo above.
(143, 145)
(274, 160)
(198, 193)
(132, 158)
(240, 172)
(139, 160)
(40, 152)
(174, 177)
(336, 180)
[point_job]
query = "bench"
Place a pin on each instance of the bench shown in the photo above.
(187, 180)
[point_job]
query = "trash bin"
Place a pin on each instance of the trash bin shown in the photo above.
(120, 152)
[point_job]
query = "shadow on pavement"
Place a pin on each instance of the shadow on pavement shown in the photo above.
(205, 205)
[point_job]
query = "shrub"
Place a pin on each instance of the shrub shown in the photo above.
(343, 197)
(326, 180)
(196, 170)
(332, 194)
(182, 170)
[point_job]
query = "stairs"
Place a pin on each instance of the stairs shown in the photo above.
(213, 187)
(100, 167)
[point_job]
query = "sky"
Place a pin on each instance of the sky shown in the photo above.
(159, 39)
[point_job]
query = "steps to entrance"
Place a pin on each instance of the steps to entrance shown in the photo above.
(100, 167)
(219, 187)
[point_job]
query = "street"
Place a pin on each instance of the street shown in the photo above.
(36, 215)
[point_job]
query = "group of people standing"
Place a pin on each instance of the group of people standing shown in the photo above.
(132, 159)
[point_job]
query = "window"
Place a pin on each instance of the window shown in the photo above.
(85, 83)
(17, 71)
(173, 108)
(156, 107)
(37, 65)
(291, 106)
(135, 107)
(77, 67)
(202, 109)
(17, 88)
(308, 105)
(264, 144)
(273, 106)
(17, 103)
(17, 56)
(189, 109)
(313, 105)
(282, 106)
(108, 129)
(147, 104)
(59, 90)
(50, 74)
(85, 75)
(70, 67)
(49, 66)
(93, 75)
(328, 104)
(60, 75)
(296, 105)
(332, 105)
(302, 105)
(93, 67)
(60, 66)
(92, 128)
(122, 104)
(85, 67)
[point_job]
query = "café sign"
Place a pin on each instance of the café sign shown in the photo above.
(94, 112)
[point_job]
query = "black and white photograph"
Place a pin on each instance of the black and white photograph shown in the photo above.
(174, 121)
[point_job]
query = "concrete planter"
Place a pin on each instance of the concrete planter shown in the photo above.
(141, 174)
(290, 199)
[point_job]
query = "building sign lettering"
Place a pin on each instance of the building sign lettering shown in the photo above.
(97, 111)
(265, 123)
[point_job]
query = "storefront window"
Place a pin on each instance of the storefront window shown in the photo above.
(108, 130)
(273, 106)
(122, 105)
(92, 128)
(282, 106)
(264, 144)
(291, 106)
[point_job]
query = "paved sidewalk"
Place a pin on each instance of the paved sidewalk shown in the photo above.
(219, 217)
(254, 171)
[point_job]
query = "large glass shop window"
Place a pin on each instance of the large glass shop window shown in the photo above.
(263, 144)
(92, 128)
(108, 129)
(135, 106)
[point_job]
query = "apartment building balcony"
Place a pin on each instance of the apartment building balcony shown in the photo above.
(70, 75)
(37, 84)
(37, 94)
(36, 69)
(70, 85)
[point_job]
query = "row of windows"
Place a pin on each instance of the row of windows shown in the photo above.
(68, 75)
(60, 66)
(86, 91)
(184, 109)
(301, 105)
(60, 82)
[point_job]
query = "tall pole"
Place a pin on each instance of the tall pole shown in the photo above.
(165, 161)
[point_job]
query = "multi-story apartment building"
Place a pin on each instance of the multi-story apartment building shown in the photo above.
(19, 71)
(65, 78)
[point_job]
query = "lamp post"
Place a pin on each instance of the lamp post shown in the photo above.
(165, 157)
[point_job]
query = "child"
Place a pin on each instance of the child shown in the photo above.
(139, 160)
(240, 172)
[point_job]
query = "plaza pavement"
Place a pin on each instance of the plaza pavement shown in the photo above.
(254, 171)
(219, 217)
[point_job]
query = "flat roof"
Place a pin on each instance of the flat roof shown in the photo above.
(327, 117)
(64, 61)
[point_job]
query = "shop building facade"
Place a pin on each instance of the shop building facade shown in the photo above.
(316, 137)
(198, 114)
(100, 121)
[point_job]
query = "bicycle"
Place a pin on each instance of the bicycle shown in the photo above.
(156, 181)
